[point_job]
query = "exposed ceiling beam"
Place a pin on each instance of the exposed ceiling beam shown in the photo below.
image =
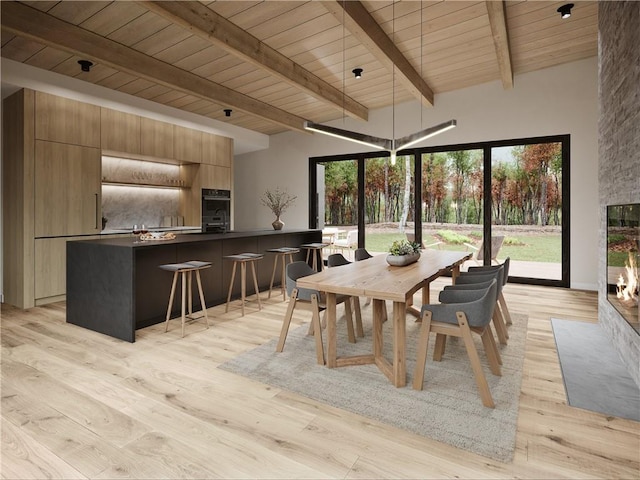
(364, 27)
(207, 24)
(31, 23)
(498, 22)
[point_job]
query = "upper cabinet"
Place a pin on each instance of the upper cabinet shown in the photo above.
(120, 132)
(217, 150)
(187, 144)
(156, 138)
(59, 119)
(67, 190)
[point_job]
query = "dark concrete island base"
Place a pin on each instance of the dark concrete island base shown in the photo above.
(115, 285)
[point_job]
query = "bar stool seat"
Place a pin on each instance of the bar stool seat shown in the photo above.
(243, 259)
(184, 270)
(316, 248)
(280, 256)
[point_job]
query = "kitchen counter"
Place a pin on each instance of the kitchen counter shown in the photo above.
(119, 231)
(114, 285)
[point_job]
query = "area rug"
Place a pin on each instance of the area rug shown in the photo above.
(449, 408)
(594, 376)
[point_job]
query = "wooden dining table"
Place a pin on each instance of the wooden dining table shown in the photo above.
(376, 279)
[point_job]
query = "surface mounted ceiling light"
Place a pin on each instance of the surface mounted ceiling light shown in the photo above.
(357, 72)
(227, 112)
(565, 10)
(85, 65)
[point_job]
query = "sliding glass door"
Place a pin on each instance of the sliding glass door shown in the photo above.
(492, 199)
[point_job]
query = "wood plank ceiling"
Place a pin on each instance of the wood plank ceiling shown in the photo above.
(278, 63)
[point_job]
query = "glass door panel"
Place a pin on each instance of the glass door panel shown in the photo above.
(337, 182)
(526, 208)
(389, 201)
(452, 200)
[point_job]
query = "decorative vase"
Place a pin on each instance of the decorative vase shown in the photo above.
(277, 224)
(402, 260)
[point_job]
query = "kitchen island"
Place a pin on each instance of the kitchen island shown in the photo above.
(114, 285)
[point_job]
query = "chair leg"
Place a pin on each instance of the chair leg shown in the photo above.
(190, 298)
(505, 309)
(474, 359)
(243, 285)
(287, 320)
(202, 302)
(423, 343)
(173, 291)
(273, 274)
(255, 284)
(438, 351)
(184, 297)
(491, 350)
(317, 335)
(501, 330)
(283, 280)
(233, 277)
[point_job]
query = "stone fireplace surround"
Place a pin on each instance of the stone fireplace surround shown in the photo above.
(619, 148)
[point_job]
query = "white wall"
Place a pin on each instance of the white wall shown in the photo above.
(558, 100)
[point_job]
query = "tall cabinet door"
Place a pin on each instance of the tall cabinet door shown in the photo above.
(67, 189)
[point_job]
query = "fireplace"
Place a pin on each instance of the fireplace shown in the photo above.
(623, 244)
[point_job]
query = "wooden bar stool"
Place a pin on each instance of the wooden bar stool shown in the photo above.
(243, 259)
(184, 270)
(281, 257)
(316, 248)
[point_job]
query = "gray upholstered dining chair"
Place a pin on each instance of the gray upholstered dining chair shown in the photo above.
(460, 313)
(313, 300)
(361, 254)
(502, 303)
(338, 260)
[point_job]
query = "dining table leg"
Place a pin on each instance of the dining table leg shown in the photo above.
(399, 344)
(378, 341)
(332, 347)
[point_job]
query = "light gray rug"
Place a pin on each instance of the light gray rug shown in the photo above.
(449, 408)
(594, 376)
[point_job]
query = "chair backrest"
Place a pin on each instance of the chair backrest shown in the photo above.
(352, 238)
(479, 276)
(294, 271)
(488, 268)
(411, 237)
(479, 313)
(362, 254)
(496, 245)
(336, 260)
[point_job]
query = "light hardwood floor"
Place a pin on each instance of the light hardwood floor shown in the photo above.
(78, 404)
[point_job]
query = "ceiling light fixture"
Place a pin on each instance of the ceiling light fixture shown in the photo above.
(377, 142)
(565, 10)
(85, 65)
(227, 112)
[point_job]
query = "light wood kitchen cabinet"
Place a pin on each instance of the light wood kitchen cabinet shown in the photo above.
(67, 189)
(187, 144)
(119, 131)
(156, 138)
(51, 266)
(217, 150)
(59, 119)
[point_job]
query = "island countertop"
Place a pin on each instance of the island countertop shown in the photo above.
(115, 285)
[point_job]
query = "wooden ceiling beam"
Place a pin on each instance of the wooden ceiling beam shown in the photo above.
(498, 22)
(28, 22)
(364, 27)
(207, 24)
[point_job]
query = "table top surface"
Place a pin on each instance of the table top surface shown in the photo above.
(377, 279)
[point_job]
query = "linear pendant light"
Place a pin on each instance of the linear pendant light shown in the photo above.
(377, 142)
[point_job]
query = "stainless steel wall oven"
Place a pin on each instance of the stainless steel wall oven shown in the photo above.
(216, 210)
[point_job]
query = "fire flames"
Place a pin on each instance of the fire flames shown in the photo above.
(627, 288)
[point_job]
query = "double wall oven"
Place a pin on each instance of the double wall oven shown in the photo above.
(216, 210)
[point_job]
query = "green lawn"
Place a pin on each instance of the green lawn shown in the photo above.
(537, 248)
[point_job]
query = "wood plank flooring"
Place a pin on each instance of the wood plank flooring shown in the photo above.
(78, 404)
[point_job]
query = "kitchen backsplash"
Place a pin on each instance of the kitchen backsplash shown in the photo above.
(124, 206)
